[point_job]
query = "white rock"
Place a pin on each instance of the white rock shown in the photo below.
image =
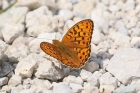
(51, 72)
(5, 4)
(107, 88)
(104, 64)
(62, 89)
(15, 80)
(27, 91)
(121, 43)
(67, 14)
(62, 4)
(6, 88)
(132, 23)
(48, 84)
(11, 31)
(135, 40)
(47, 91)
(3, 48)
(106, 81)
(113, 8)
(16, 89)
(39, 21)
(91, 66)
(106, 2)
(33, 4)
(90, 89)
(129, 5)
(119, 24)
(96, 36)
(26, 66)
(57, 22)
(93, 80)
(103, 46)
(135, 32)
(81, 10)
(119, 69)
(73, 79)
(76, 87)
(128, 89)
(85, 74)
(3, 81)
(123, 30)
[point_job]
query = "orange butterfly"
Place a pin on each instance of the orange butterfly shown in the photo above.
(74, 49)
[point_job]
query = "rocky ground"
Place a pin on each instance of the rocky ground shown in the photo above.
(114, 65)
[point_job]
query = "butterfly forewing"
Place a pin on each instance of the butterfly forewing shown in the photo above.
(51, 50)
(79, 39)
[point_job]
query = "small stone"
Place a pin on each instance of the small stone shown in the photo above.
(122, 62)
(76, 87)
(5, 68)
(26, 66)
(73, 79)
(47, 84)
(15, 80)
(3, 48)
(51, 72)
(3, 81)
(35, 3)
(90, 89)
(62, 89)
(11, 31)
(67, 14)
(135, 40)
(27, 91)
(91, 66)
(107, 83)
(85, 74)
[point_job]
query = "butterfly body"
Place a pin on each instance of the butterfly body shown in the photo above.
(74, 49)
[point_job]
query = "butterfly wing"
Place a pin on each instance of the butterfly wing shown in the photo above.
(78, 38)
(51, 50)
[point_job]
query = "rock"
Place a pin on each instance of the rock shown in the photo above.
(47, 84)
(128, 89)
(27, 91)
(123, 30)
(76, 87)
(51, 72)
(135, 32)
(121, 43)
(5, 68)
(81, 10)
(35, 3)
(119, 24)
(27, 65)
(57, 22)
(91, 66)
(16, 89)
(73, 79)
(11, 31)
(3, 81)
(6, 89)
(3, 48)
(5, 4)
(38, 24)
(90, 89)
(132, 23)
(67, 14)
(100, 23)
(104, 63)
(107, 83)
(96, 36)
(85, 74)
(62, 89)
(93, 80)
(113, 8)
(103, 46)
(135, 40)
(15, 80)
(61, 4)
(123, 61)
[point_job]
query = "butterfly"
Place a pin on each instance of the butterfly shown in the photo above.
(75, 47)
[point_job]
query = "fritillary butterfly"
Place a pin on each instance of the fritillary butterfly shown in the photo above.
(74, 49)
